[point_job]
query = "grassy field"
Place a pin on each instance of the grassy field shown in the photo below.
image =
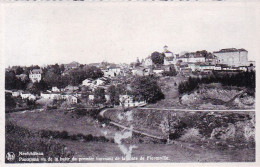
(58, 120)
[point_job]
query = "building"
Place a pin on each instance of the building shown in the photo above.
(55, 89)
(169, 60)
(205, 67)
(35, 75)
(58, 96)
(71, 65)
(158, 71)
(128, 101)
(87, 82)
(112, 71)
(232, 57)
(142, 71)
(148, 62)
(192, 58)
(72, 99)
(28, 96)
(16, 93)
(71, 88)
(22, 77)
(211, 59)
(51, 96)
(91, 97)
(166, 52)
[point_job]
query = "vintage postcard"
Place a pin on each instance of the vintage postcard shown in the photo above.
(129, 82)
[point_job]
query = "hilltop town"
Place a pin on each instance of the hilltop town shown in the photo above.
(109, 84)
(194, 101)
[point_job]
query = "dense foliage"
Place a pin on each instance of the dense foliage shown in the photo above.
(157, 58)
(12, 82)
(171, 72)
(146, 88)
(242, 79)
(53, 75)
(20, 139)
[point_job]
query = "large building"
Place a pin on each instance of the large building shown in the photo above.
(169, 58)
(192, 58)
(35, 75)
(232, 57)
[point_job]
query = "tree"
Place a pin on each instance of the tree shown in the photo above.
(9, 101)
(93, 72)
(52, 79)
(157, 58)
(99, 96)
(19, 70)
(12, 82)
(114, 95)
(38, 87)
(146, 88)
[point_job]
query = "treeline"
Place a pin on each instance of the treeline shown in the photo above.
(53, 75)
(241, 79)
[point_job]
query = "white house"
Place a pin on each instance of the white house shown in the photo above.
(158, 71)
(16, 93)
(87, 82)
(107, 97)
(192, 58)
(51, 95)
(28, 96)
(147, 62)
(35, 75)
(112, 71)
(128, 101)
(72, 99)
(55, 89)
(91, 97)
(169, 60)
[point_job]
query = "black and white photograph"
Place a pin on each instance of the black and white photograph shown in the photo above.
(130, 82)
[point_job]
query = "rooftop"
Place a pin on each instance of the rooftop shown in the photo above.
(36, 71)
(230, 50)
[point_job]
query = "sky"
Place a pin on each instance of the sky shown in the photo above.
(52, 33)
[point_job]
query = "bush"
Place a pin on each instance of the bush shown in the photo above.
(191, 135)
(88, 137)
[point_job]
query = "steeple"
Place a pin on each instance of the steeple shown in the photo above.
(165, 48)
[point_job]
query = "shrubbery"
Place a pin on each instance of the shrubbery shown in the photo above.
(219, 126)
(65, 135)
(242, 79)
(21, 139)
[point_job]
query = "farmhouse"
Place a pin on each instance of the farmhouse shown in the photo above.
(28, 96)
(128, 101)
(55, 89)
(35, 75)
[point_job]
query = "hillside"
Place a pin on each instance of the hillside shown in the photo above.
(206, 96)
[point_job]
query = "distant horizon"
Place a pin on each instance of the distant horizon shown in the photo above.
(60, 63)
